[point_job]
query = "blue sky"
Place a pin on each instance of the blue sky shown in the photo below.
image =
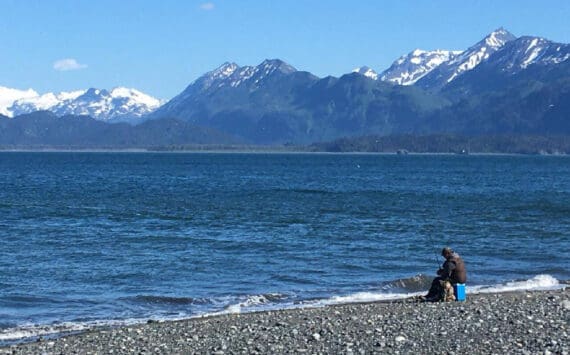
(160, 46)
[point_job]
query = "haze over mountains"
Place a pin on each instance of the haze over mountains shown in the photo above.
(500, 85)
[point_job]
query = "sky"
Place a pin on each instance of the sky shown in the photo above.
(161, 46)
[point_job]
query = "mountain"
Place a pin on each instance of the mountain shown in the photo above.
(449, 70)
(502, 85)
(44, 129)
(234, 99)
(8, 96)
(367, 72)
(273, 103)
(523, 88)
(518, 55)
(355, 105)
(408, 69)
(119, 104)
(232, 75)
(435, 69)
(524, 62)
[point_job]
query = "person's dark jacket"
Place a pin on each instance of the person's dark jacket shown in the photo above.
(454, 269)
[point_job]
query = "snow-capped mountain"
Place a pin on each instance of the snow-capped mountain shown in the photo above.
(466, 60)
(45, 102)
(227, 76)
(8, 96)
(367, 72)
(525, 51)
(415, 65)
(119, 104)
(435, 69)
(231, 74)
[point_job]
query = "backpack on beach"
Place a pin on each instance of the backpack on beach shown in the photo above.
(446, 291)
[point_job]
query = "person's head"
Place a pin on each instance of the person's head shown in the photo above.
(446, 252)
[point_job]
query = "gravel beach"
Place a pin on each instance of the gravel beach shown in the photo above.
(519, 322)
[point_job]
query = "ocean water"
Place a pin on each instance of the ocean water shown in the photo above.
(99, 239)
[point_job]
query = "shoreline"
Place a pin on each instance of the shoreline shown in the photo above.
(487, 322)
(271, 151)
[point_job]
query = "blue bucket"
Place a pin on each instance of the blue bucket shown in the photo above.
(459, 290)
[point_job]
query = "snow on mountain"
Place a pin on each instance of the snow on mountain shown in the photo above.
(8, 96)
(230, 74)
(415, 65)
(119, 104)
(479, 52)
(41, 102)
(518, 54)
(467, 60)
(269, 67)
(367, 72)
(216, 77)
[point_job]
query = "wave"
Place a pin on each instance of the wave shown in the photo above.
(263, 302)
(10, 334)
(407, 287)
(170, 300)
(539, 282)
(31, 332)
(415, 283)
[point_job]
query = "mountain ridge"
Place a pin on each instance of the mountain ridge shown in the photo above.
(117, 104)
(408, 69)
(466, 60)
(499, 85)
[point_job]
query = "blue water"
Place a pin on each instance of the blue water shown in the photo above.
(105, 238)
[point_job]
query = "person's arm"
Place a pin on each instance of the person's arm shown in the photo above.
(447, 269)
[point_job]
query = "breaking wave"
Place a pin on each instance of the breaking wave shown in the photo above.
(390, 291)
(539, 282)
(411, 284)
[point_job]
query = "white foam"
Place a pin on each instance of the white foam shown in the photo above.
(363, 297)
(37, 330)
(255, 303)
(252, 303)
(539, 282)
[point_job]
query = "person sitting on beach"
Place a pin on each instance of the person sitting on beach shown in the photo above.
(452, 271)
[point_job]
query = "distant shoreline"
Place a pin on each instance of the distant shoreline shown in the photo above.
(264, 151)
(401, 144)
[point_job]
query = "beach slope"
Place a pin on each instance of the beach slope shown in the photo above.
(520, 322)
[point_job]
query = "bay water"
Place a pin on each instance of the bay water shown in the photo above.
(104, 239)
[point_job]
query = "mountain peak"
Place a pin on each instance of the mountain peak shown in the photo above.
(467, 60)
(524, 51)
(224, 70)
(367, 72)
(276, 64)
(410, 68)
(94, 92)
(135, 95)
(498, 38)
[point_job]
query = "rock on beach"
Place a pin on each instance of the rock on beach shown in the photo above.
(521, 322)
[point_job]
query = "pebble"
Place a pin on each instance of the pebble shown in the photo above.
(492, 323)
